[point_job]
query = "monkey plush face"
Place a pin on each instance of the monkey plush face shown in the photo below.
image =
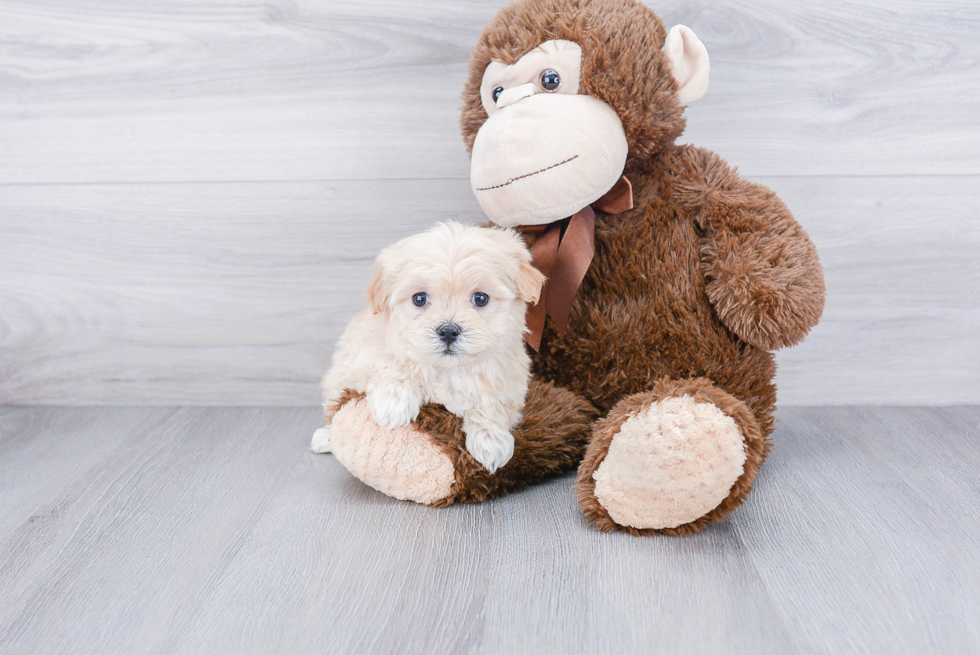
(526, 102)
(551, 126)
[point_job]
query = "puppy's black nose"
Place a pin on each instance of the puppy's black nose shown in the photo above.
(448, 332)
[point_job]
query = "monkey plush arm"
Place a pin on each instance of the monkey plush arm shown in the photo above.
(762, 271)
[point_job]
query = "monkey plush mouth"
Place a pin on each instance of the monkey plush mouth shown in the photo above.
(521, 177)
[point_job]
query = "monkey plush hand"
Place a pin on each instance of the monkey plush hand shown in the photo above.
(670, 279)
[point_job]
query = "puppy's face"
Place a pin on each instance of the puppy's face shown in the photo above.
(454, 293)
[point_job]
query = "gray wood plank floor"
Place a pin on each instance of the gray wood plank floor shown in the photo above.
(180, 530)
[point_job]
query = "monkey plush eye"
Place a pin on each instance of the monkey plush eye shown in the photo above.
(496, 93)
(550, 81)
(420, 299)
(480, 299)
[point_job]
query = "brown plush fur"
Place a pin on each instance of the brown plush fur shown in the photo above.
(660, 301)
(687, 292)
(701, 390)
(550, 440)
(621, 63)
(705, 275)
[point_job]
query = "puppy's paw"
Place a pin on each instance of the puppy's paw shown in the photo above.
(321, 441)
(392, 406)
(491, 447)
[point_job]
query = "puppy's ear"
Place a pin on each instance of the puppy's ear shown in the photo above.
(377, 291)
(529, 282)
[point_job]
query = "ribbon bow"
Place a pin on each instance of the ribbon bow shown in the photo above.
(563, 251)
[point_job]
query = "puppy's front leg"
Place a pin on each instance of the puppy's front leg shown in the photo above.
(320, 443)
(488, 437)
(393, 403)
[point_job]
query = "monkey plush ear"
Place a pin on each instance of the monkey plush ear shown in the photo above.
(689, 60)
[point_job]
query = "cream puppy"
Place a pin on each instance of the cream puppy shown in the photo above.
(445, 325)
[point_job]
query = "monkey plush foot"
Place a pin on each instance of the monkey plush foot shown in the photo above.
(401, 462)
(427, 461)
(670, 460)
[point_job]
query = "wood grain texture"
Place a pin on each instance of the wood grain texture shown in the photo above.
(879, 506)
(901, 259)
(96, 91)
(199, 294)
(234, 293)
(214, 530)
(191, 191)
(185, 492)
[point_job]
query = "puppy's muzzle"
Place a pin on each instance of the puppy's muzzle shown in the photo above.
(448, 333)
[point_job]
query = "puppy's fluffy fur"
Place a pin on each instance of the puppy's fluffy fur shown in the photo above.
(393, 352)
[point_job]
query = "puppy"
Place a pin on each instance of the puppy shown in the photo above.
(445, 325)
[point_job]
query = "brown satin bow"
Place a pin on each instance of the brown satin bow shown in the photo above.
(563, 251)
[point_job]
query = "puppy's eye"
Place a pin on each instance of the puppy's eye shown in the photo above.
(420, 299)
(480, 299)
(550, 80)
(496, 93)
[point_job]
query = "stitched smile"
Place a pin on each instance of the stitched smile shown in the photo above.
(521, 177)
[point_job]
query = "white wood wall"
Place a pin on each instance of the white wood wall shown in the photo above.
(192, 191)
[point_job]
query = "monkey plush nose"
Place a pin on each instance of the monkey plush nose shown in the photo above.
(513, 94)
(448, 332)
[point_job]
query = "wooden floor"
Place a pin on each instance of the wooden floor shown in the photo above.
(173, 530)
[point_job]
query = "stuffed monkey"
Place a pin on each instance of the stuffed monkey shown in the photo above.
(671, 280)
